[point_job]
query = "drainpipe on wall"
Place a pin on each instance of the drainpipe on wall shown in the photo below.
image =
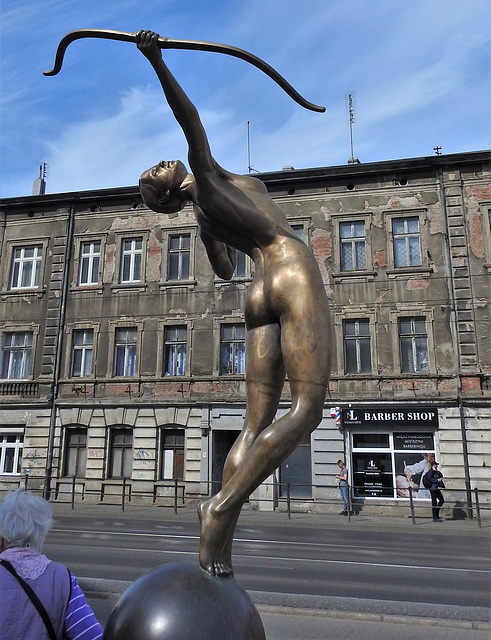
(455, 343)
(59, 350)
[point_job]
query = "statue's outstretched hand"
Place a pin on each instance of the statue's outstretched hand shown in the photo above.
(147, 42)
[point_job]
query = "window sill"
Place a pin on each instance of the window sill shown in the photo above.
(130, 286)
(23, 293)
(173, 284)
(357, 276)
(407, 272)
(87, 288)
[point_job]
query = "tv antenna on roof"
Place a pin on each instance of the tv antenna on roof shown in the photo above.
(249, 166)
(351, 111)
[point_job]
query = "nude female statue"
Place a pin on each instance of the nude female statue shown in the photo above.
(286, 310)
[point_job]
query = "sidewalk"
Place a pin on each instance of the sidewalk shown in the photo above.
(251, 516)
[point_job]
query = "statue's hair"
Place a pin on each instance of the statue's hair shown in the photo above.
(25, 520)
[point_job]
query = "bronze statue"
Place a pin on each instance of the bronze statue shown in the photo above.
(286, 310)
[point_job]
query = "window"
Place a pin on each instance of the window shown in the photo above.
(26, 267)
(353, 245)
(16, 355)
(83, 340)
(178, 257)
(172, 454)
(11, 445)
(388, 465)
(90, 257)
(232, 349)
(131, 259)
(241, 265)
(298, 231)
(357, 352)
(76, 452)
(407, 242)
(125, 352)
(121, 454)
(413, 345)
(175, 350)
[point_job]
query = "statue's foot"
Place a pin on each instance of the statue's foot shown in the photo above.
(214, 531)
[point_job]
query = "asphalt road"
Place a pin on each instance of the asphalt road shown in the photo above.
(397, 566)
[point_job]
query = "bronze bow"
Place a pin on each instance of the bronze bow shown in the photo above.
(168, 43)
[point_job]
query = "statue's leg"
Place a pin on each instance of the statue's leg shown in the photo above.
(305, 345)
(265, 378)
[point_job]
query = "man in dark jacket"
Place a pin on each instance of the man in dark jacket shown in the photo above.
(434, 481)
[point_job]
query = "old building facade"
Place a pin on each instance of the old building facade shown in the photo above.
(123, 355)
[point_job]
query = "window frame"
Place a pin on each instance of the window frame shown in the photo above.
(168, 454)
(8, 251)
(80, 460)
(389, 217)
(357, 338)
(126, 452)
(112, 328)
(359, 312)
(17, 331)
(165, 328)
(352, 240)
(413, 312)
(18, 447)
(84, 348)
(167, 234)
(220, 323)
(356, 274)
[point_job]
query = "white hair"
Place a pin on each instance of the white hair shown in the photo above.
(25, 520)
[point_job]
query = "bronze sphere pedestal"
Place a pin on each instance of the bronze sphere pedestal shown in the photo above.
(181, 601)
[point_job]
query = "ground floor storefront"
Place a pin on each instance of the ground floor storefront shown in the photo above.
(155, 454)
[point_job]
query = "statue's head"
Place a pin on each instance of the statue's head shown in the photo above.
(161, 187)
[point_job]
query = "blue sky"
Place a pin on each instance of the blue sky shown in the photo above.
(419, 72)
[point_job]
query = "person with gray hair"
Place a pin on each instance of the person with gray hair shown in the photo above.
(38, 598)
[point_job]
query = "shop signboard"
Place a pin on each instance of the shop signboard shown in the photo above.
(390, 417)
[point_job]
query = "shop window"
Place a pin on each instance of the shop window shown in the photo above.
(353, 245)
(90, 258)
(16, 355)
(75, 452)
(407, 242)
(357, 349)
(26, 267)
(125, 351)
(121, 453)
(82, 349)
(232, 349)
(179, 257)
(131, 259)
(413, 344)
(175, 350)
(389, 465)
(11, 445)
(172, 454)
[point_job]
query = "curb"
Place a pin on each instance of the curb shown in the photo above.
(420, 613)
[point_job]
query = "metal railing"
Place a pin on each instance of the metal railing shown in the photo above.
(287, 497)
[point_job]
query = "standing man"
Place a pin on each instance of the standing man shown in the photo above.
(434, 480)
(342, 476)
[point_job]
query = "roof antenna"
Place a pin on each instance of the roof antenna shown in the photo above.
(352, 159)
(249, 166)
(39, 184)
